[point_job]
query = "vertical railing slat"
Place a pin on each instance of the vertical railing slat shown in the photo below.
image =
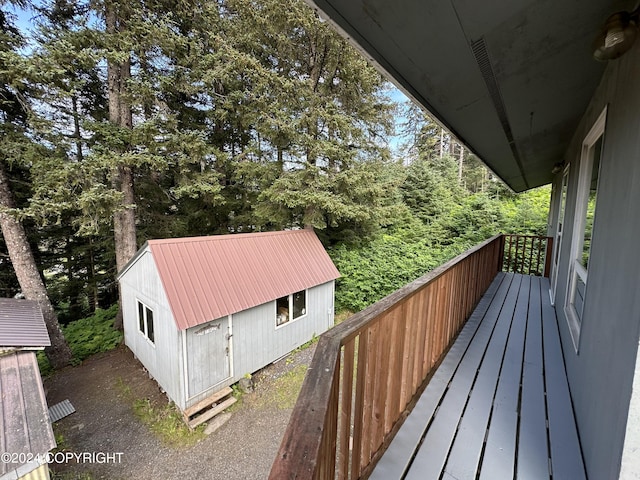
(358, 407)
(344, 447)
(397, 351)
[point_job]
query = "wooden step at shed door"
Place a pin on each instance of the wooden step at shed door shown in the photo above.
(209, 407)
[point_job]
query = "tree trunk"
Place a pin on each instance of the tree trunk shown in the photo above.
(124, 220)
(28, 275)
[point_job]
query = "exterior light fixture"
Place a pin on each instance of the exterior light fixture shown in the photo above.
(557, 167)
(617, 36)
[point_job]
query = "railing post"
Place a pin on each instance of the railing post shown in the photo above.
(501, 247)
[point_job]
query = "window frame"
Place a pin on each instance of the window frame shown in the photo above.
(560, 229)
(290, 313)
(577, 271)
(143, 322)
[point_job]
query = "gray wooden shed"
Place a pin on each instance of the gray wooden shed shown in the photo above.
(200, 313)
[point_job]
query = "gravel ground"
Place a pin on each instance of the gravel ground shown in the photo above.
(101, 390)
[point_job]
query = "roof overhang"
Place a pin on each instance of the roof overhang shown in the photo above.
(509, 79)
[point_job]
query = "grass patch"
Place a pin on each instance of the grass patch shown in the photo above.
(287, 387)
(62, 446)
(70, 476)
(284, 391)
(61, 442)
(167, 424)
(238, 394)
(342, 315)
(165, 420)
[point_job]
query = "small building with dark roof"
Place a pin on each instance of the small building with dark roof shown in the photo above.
(200, 313)
(25, 431)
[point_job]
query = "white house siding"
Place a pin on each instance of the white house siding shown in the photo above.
(256, 340)
(601, 372)
(162, 359)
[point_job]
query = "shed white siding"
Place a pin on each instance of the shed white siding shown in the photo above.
(254, 344)
(601, 372)
(256, 340)
(162, 358)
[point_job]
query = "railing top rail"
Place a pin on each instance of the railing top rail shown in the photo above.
(524, 236)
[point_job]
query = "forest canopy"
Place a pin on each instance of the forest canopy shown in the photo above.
(122, 121)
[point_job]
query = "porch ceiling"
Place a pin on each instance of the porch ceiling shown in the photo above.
(510, 79)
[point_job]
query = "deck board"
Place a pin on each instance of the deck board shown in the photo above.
(533, 458)
(499, 455)
(566, 457)
(499, 406)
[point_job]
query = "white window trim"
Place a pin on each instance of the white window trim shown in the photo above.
(576, 269)
(559, 232)
(146, 325)
(291, 319)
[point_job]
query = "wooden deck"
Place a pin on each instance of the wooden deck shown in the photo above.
(499, 406)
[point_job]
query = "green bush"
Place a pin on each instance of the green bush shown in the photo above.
(93, 334)
(399, 255)
(372, 271)
(87, 337)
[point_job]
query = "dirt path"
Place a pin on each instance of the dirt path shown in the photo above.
(101, 390)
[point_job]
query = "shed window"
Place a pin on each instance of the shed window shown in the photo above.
(299, 304)
(291, 307)
(145, 321)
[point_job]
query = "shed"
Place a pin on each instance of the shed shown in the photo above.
(200, 313)
(25, 431)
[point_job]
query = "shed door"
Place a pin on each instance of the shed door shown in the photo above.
(208, 355)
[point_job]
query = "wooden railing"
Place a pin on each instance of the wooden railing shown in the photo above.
(527, 254)
(367, 371)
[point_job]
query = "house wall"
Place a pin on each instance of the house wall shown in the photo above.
(142, 282)
(601, 372)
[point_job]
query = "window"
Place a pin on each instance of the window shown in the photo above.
(145, 321)
(583, 226)
(291, 307)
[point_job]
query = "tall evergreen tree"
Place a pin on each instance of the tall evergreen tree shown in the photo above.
(324, 135)
(18, 148)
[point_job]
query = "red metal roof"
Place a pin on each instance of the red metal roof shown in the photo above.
(209, 277)
(22, 324)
